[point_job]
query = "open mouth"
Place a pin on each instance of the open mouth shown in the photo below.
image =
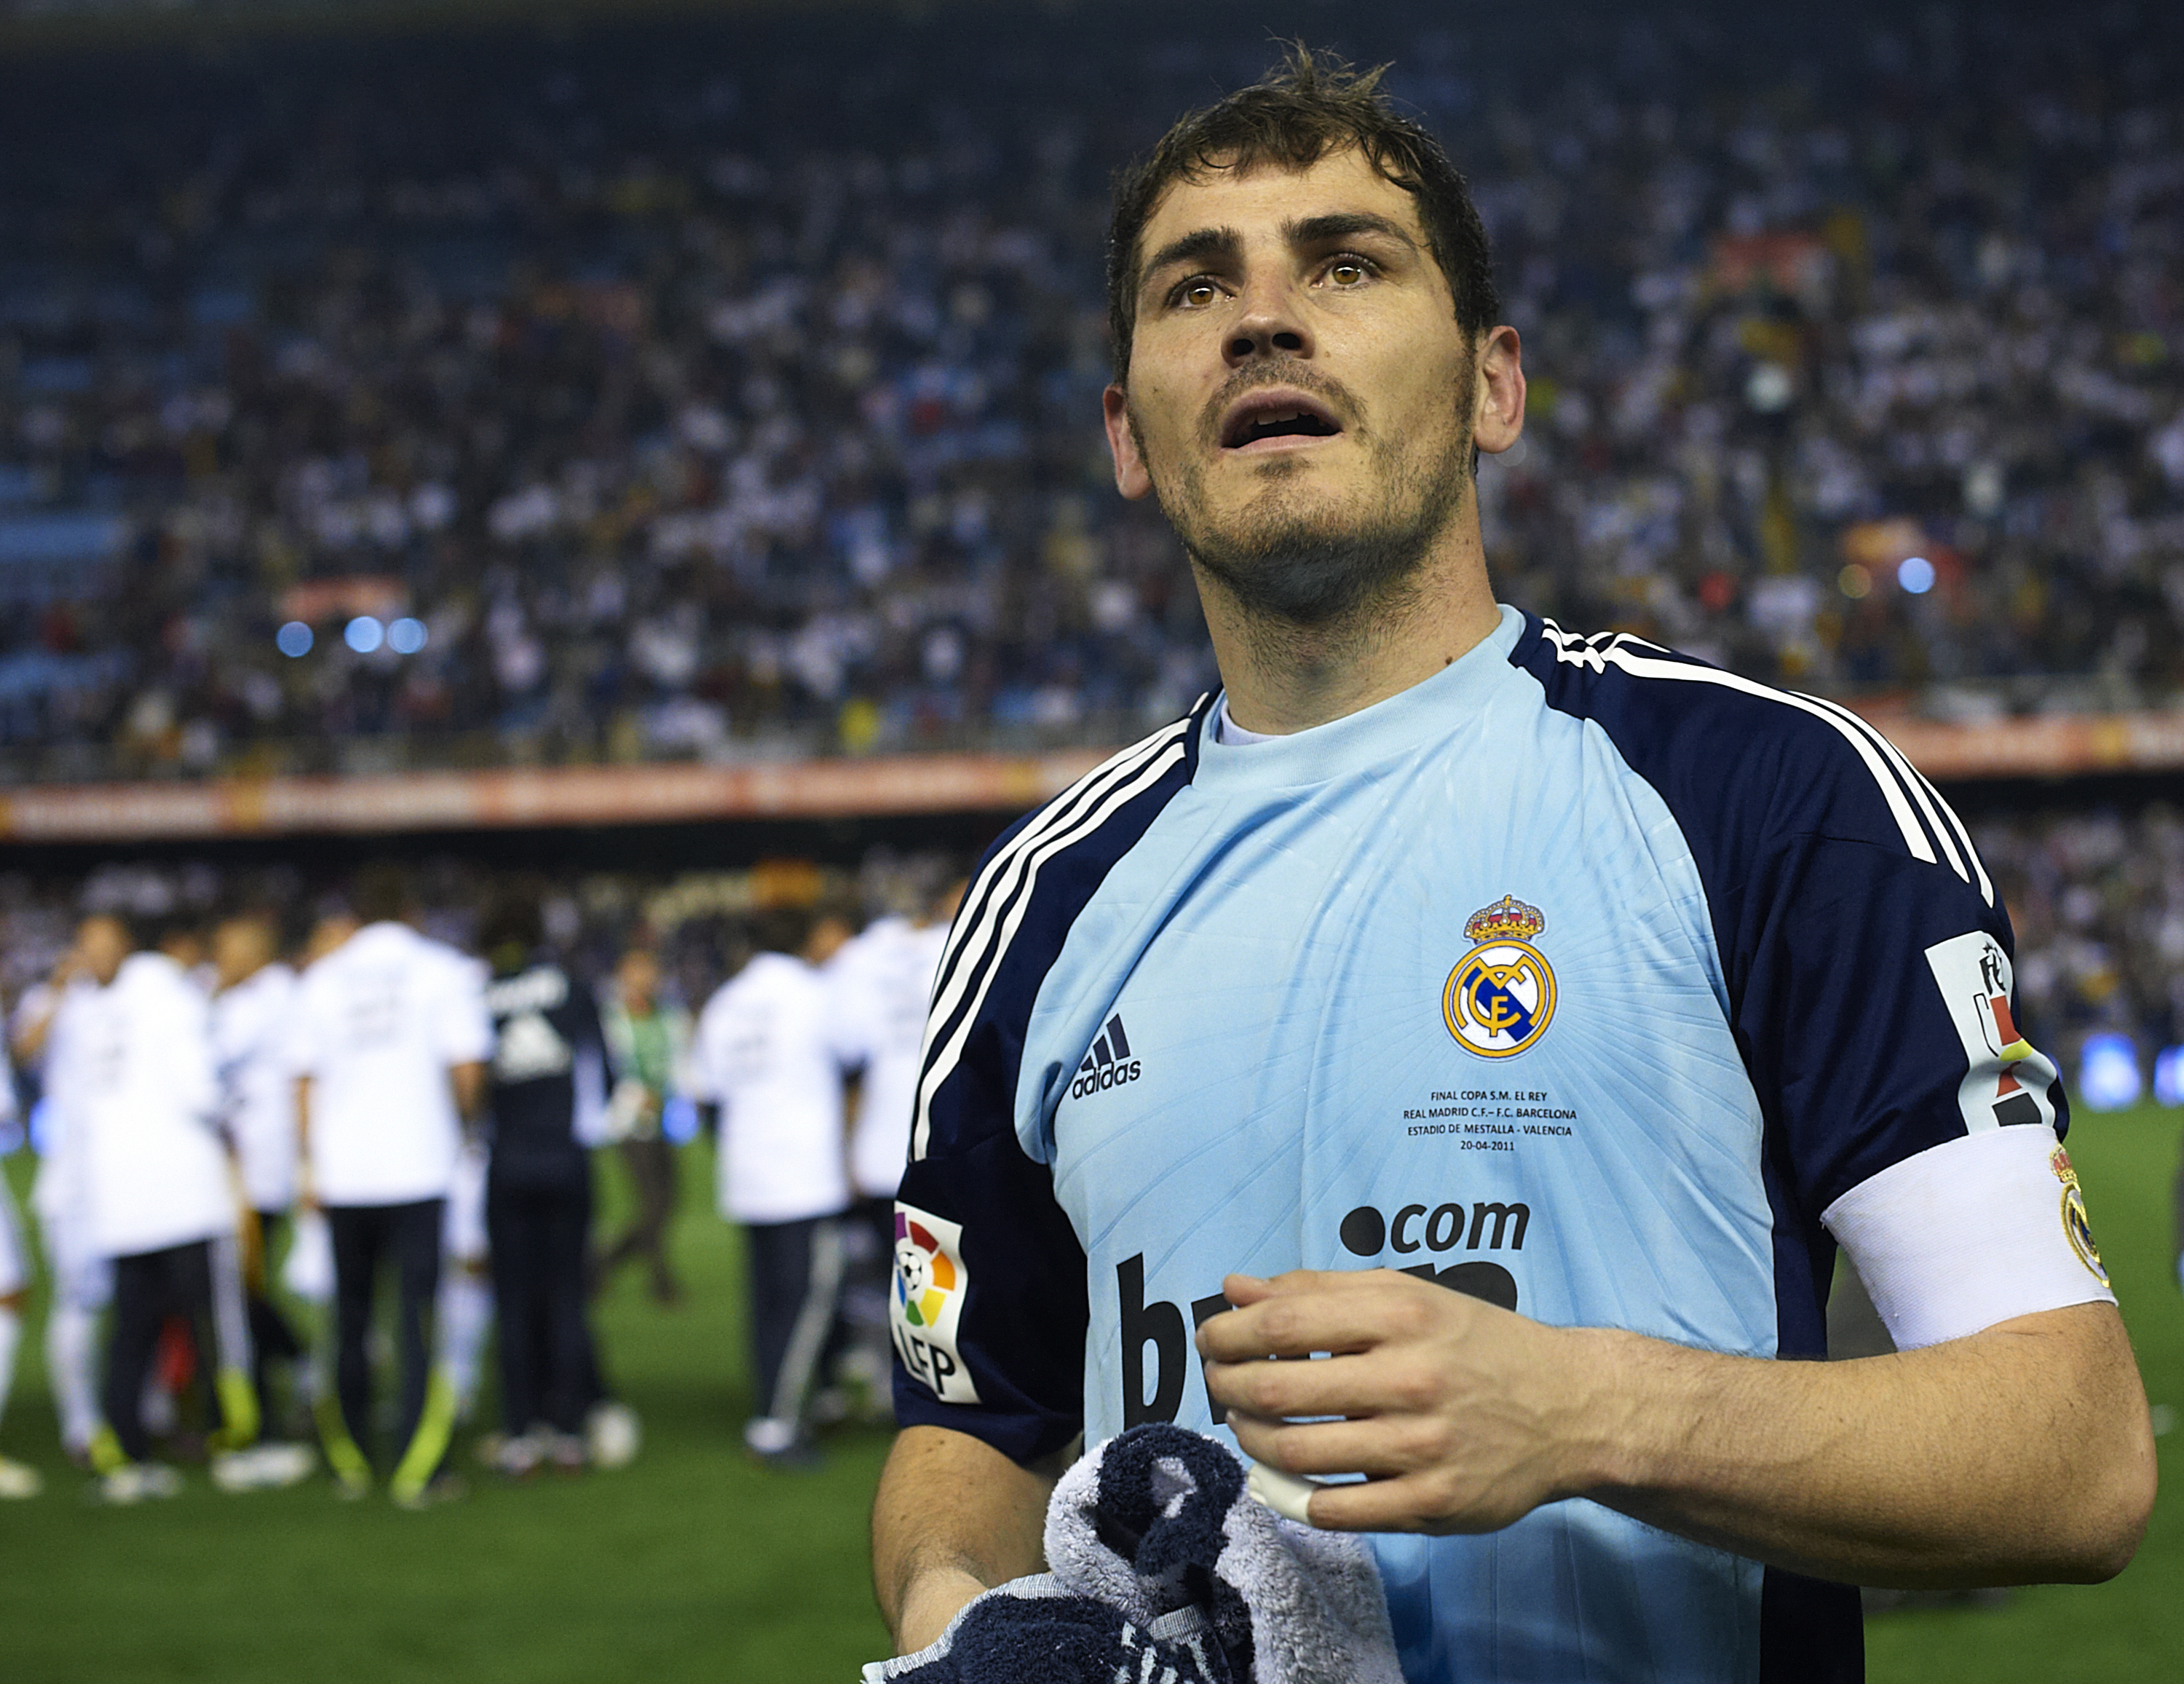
(1265, 415)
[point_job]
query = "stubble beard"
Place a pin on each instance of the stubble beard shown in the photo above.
(1326, 572)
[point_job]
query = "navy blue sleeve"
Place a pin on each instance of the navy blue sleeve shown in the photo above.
(1865, 954)
(989, 1304)
(581, 1026)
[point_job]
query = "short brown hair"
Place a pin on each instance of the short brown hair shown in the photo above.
(1308, 106)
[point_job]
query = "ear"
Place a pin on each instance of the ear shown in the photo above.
(1497, 418)
(1131, 478)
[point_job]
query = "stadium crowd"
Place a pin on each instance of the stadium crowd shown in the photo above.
(248, 1105)
(697, 390)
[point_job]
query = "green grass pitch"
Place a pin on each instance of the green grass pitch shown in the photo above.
(694, 1564)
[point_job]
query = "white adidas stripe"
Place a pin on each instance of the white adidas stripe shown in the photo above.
(986, 940)
(953, 1017)
(1929, 802)
(1948, 812)
(1615, 654)
(1947, 829)
(979, 900)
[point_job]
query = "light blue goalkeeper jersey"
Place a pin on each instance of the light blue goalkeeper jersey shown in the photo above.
(1582, 977)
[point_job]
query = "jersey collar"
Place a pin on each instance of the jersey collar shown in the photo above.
(1388, 729)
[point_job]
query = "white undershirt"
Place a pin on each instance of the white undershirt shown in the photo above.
(1227, 730)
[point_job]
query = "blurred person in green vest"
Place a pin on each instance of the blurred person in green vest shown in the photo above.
(647, 1044)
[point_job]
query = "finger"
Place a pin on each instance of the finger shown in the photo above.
(1407, 1502)
(1370, 1383)
(1242, 1289)
(1347, 1319)
(1380, 1449)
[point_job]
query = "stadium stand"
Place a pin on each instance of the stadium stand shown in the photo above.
(694, 390)
(510, 411)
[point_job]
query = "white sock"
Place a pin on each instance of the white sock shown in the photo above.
(72, 1366)
(11, 1336)
(466, 1316)
(158, 1408)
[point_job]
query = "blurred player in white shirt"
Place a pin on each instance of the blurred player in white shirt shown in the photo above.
(15, 1479)
(767, 1053)
(392, 1039)
(883, 985)
(252, 1014)
(157, 1193)
(83, 1280)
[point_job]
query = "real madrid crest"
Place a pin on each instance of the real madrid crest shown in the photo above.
(2077, 1227)
(1500, 996)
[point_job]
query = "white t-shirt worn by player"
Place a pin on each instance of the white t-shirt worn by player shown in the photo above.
(767, 1052)
(253, 1050)
(139, 1072)
(59, 1196)
(14, 1261)
(380, 1021)
(884, 983)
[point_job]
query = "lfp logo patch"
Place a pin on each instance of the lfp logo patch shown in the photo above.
(927, 1301)
(1500, 996)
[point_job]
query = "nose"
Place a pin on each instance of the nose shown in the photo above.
(1271, 324)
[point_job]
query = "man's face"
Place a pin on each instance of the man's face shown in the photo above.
(241, 948)
(1300, 393)
(639, 975)
(101, 943)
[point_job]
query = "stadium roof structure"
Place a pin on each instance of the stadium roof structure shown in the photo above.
(2053, 746)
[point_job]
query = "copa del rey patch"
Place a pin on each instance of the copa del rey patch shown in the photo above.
(927, 1302)
(2007, 1080)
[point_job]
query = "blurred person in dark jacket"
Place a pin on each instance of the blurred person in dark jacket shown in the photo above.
(545, 1105)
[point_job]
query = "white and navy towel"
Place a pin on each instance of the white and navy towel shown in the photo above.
(1163, 1570)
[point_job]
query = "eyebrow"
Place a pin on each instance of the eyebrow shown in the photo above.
(1310, 230)
(1342, 225)
(1199, 243)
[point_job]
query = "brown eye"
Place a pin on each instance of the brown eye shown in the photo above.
(1197, 293)
(1346, 271)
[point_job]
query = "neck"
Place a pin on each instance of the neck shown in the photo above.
(1281, 677)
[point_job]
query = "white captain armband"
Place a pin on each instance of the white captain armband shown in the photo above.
(1969, 1233)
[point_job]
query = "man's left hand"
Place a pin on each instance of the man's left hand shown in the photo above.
(1464, 1416)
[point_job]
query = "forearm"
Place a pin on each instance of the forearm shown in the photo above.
(953, 1517)
(307, 1190)
(2021, 1454)
(467, 1082)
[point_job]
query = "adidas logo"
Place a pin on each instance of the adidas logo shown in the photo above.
(1109, 1064)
